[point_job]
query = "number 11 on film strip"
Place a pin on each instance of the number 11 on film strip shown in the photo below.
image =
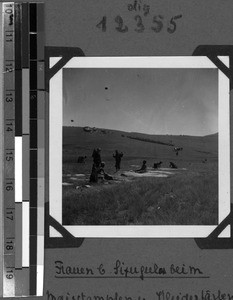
(23, 157)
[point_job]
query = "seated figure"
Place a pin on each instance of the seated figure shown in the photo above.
(143, 168)
(172, 165)
(102, 175)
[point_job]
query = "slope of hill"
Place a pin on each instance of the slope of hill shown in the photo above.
(79, 142)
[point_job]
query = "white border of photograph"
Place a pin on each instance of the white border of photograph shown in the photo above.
(55, 147)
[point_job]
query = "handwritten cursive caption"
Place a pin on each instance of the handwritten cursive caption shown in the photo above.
(120, 269)
(155, 295)
(142, 11)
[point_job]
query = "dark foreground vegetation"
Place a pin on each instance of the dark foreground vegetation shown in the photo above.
(187, 196)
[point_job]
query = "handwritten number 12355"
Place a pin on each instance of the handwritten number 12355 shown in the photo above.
(157, 25)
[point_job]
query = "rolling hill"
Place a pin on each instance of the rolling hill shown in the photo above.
(76, 141)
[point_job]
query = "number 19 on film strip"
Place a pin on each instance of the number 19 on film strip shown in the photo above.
(23, 186)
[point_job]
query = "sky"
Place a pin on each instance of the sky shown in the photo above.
(152, 101)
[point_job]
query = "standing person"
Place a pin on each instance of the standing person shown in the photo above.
(94, 174)
(118, 156)
(96, 165)
(96, 157)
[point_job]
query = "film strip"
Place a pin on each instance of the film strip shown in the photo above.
(24, 148)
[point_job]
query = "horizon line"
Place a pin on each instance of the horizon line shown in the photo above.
(135, 132)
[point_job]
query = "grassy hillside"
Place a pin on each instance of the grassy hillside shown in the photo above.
(77, 142)
(188, 196)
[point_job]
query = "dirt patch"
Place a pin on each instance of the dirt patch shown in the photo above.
(125, 176)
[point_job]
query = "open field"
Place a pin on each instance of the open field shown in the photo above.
(184, 196)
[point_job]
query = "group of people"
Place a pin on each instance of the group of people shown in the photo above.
(143, 168)
(98, 172)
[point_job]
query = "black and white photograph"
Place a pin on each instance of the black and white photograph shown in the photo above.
(116, 150)
(140, 146)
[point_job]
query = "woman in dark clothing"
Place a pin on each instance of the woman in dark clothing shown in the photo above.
(172, 165)
(94, 174)
(143, 168)
(102, 175)
(118, 156)
(96, 157)
(96, 165)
